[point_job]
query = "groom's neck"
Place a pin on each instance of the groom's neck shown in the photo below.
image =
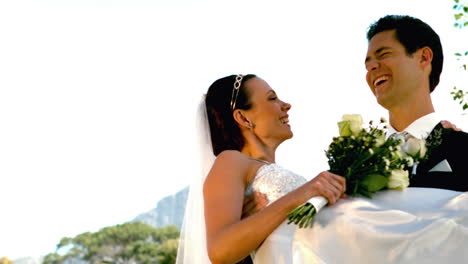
(402, 116)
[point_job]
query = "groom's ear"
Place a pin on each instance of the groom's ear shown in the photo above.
(425, 57)
(240, 118)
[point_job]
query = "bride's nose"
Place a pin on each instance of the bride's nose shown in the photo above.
(286, 106)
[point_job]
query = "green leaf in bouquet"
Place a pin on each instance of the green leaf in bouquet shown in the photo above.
(374, 182)
(363, 192)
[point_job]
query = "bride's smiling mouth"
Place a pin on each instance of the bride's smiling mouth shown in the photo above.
(285, 120)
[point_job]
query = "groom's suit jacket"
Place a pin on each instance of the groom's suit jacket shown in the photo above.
(447, 164)
(247, 260)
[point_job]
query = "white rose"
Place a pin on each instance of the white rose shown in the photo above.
(410, 161)
(350, 125)
(399, 179)
(414, 146)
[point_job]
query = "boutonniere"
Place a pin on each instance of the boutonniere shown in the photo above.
(434, 139)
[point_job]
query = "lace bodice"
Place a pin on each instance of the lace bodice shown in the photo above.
(274, 181)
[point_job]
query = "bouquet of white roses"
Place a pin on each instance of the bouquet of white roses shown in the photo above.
(367, 161)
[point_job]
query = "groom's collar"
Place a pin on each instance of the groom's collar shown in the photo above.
(420, 128)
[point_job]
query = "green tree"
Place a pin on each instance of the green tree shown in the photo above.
(461, 13)
(168, 251)
(126, 243)
(461, 21)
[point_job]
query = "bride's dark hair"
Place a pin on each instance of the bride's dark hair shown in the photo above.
(225, 133)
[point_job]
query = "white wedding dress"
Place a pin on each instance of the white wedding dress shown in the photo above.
(416, 225)
(274, 181)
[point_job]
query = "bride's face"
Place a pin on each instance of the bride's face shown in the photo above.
(268, 113)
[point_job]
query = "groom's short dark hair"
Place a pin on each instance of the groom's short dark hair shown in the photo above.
(413, 34)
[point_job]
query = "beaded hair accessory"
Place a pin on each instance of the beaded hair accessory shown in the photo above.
(235, 90)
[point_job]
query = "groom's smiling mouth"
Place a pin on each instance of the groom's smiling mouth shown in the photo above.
(380, 80)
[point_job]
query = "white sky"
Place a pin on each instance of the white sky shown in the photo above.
(97, 98)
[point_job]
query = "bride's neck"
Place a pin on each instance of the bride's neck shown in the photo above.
(260, 152)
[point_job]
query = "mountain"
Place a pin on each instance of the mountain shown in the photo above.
(169, 211)
(28, 260)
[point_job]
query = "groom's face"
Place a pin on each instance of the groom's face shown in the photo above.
(391, 72)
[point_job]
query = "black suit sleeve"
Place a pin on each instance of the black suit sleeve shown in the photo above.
(457, 153)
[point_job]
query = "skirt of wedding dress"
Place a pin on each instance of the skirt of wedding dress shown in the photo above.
(416, 225)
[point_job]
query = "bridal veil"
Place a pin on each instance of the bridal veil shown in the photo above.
(192, 245)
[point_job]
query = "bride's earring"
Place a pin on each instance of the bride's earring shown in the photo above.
(250, 124)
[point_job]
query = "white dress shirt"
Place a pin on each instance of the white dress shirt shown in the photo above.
(420, 128)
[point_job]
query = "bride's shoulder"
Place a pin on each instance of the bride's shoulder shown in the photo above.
(232, 158)
(230, 165)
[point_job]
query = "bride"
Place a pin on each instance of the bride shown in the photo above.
(243, 122)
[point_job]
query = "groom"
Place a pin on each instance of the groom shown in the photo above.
(404, 61)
